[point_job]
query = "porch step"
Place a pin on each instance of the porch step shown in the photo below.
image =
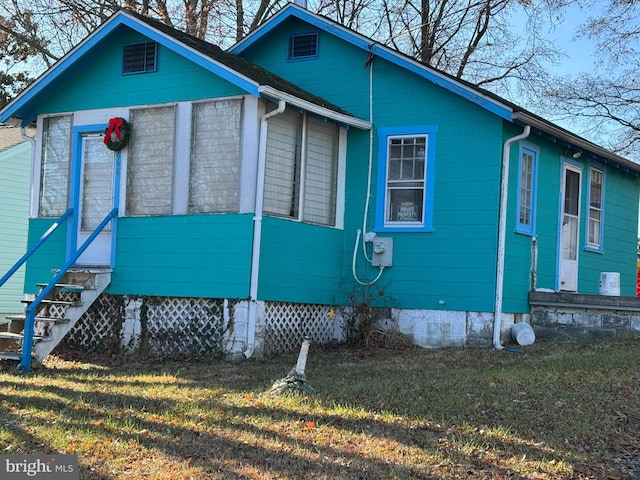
(65, 286)
(10, 356)
(63, 303)
(20, 336)
(22, 318)
(79, 287)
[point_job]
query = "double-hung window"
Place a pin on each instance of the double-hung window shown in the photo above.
(405, 194)
(526, 200)
(594, 222)
(301, 171)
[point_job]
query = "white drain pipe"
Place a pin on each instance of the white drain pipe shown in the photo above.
(257, 228)
(502, 234)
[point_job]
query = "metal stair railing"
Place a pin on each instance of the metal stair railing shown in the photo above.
(31, 310)
(35, 246)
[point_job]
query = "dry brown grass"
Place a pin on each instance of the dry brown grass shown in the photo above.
(554, 411)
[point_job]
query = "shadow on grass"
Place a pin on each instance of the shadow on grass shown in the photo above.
(372, 417)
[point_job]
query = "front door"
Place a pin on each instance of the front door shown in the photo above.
(569, 233)
(96, 199)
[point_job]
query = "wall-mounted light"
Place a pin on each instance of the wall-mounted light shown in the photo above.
(572, 153)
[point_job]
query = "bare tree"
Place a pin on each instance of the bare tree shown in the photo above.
(469, 39)
(475, 40)
(605, 103)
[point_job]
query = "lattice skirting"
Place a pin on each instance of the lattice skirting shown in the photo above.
(171, 326)
(166, 326)
(287, 324)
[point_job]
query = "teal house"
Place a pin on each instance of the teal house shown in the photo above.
(15, 165)
(237, 201)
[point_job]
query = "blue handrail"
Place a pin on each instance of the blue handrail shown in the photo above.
(31, 310)
(35, 246)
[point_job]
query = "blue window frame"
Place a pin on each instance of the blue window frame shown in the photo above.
(405, 172)
(527, 179)
(595, 214)
(303, 46)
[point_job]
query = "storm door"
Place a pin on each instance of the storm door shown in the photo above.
(569, 233)
(96, 198)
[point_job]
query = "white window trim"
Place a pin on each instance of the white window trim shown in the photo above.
(340, 179)
(593, 247)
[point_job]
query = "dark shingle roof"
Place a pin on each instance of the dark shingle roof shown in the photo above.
(236, 63)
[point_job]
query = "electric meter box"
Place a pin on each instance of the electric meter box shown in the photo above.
(382, 252)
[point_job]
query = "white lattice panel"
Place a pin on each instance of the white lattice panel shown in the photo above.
(287, 324)
(183, 326)
(98, 330)
(172, 326)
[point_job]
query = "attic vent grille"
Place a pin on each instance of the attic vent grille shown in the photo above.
(303, 46)
(139, 58)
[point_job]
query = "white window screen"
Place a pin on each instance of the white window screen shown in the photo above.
(320, 172)
(54, 175)
(150, 162)
(215, 156)
(283, 156)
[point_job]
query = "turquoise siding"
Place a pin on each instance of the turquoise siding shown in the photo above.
(300, 262)
(620, 235)
(14, 212)
(519, 246)
(95, 81)
(452, 267)
(50, 256)
(338, 75)
(620, 230)
(184, 256)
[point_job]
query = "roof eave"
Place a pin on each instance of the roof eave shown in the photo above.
(338, 117)
(574, 142)
(438, 78)
(20, 106)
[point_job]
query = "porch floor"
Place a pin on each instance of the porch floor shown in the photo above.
(581, 300)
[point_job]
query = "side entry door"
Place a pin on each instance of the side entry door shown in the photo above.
(570, 228)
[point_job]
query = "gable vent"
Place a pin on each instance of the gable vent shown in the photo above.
(139, 58)
(303, 46)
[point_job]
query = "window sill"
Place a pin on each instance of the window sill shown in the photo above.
(404, 228)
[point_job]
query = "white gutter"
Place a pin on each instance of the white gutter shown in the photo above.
(317, 109)
(502, 234)
(257, 227)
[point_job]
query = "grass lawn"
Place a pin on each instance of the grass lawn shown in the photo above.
(554, 411)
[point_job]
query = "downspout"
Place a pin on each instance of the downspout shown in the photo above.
(257, 228)
(502, 234)
(32, 140)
